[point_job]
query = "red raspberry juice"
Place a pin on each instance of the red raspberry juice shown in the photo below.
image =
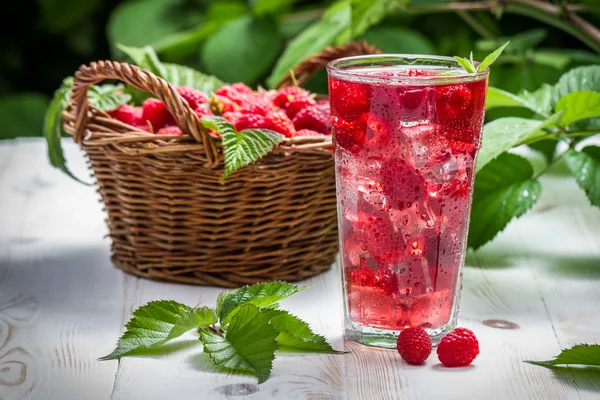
(406, 141)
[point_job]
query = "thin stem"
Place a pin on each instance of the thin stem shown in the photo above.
(475, 24)
(555, 161)
(560, 17)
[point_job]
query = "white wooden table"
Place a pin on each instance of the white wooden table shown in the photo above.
(63, 305)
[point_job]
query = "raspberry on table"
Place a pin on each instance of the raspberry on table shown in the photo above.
(414, 345)
(458, 348)
(315, 117)
(194, 97)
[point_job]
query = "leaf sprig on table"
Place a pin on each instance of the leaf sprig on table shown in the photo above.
(242, 333)
(580, 354)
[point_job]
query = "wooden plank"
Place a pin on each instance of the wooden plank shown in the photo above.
(59, 295)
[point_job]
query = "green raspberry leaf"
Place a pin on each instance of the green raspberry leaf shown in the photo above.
(585, 167)
(540, 100)
(500, 98)
(579, 106)
(158, 322)
(260, 295)
(177, 75)
(296, 335)
(108, 97)
(504, 189)
(580, 354)
(466, 64)
(53, 128)
(489, 60)
(249, 343)
(242, 148)
(368, 13)
(502, 134)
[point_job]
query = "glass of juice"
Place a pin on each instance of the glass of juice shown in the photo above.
(407, 129)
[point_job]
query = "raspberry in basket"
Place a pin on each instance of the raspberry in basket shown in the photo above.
(193, 96)
(315, 117)
(128, 114)
(170, 131)
(154, 110)
(279, 122)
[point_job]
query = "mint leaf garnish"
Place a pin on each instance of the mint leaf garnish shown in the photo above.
(466, 64)
(585, 167)
(249, 343)
(295, 334)
(242, 148)
(579, 106)
(580, 354)
(108, 97)
(260, 295)
(489, 60)
(504, 189)
(158, 322)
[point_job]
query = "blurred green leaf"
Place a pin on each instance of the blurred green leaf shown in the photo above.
(366, 13)
(146, 22)
(540, 100)
(578, 106)
(270, 7)
(59, 16)
(503, 134)
(518, 43)
(561, 58)
(313, 39)
(183, 44)
(386, 38)
(178, 75)
(22, 115)
(519, 77)
(242, 50)
(585, 167)
(501, 98)
(504, 190)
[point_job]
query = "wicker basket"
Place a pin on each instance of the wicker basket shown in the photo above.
(169, 216)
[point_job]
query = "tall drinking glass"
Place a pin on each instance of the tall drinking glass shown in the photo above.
(406, 139)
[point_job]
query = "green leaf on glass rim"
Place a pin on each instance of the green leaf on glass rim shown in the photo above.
(158, 322)
(466, 64)
(489, 60)
(313, 39)
(580, 354)
(242, 50)
(260, 295)
(53, 128)
(585, 167)
(107, 97)
(579, 106)
(242, 148)
(503, 134)
(504, 189)
(248, 345)
(296, 335)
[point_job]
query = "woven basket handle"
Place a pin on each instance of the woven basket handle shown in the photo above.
(307, 68)
(185, 117)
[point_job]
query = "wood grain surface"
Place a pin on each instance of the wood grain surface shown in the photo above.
(531, 292)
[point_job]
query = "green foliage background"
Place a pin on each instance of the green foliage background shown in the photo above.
(241, 40)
